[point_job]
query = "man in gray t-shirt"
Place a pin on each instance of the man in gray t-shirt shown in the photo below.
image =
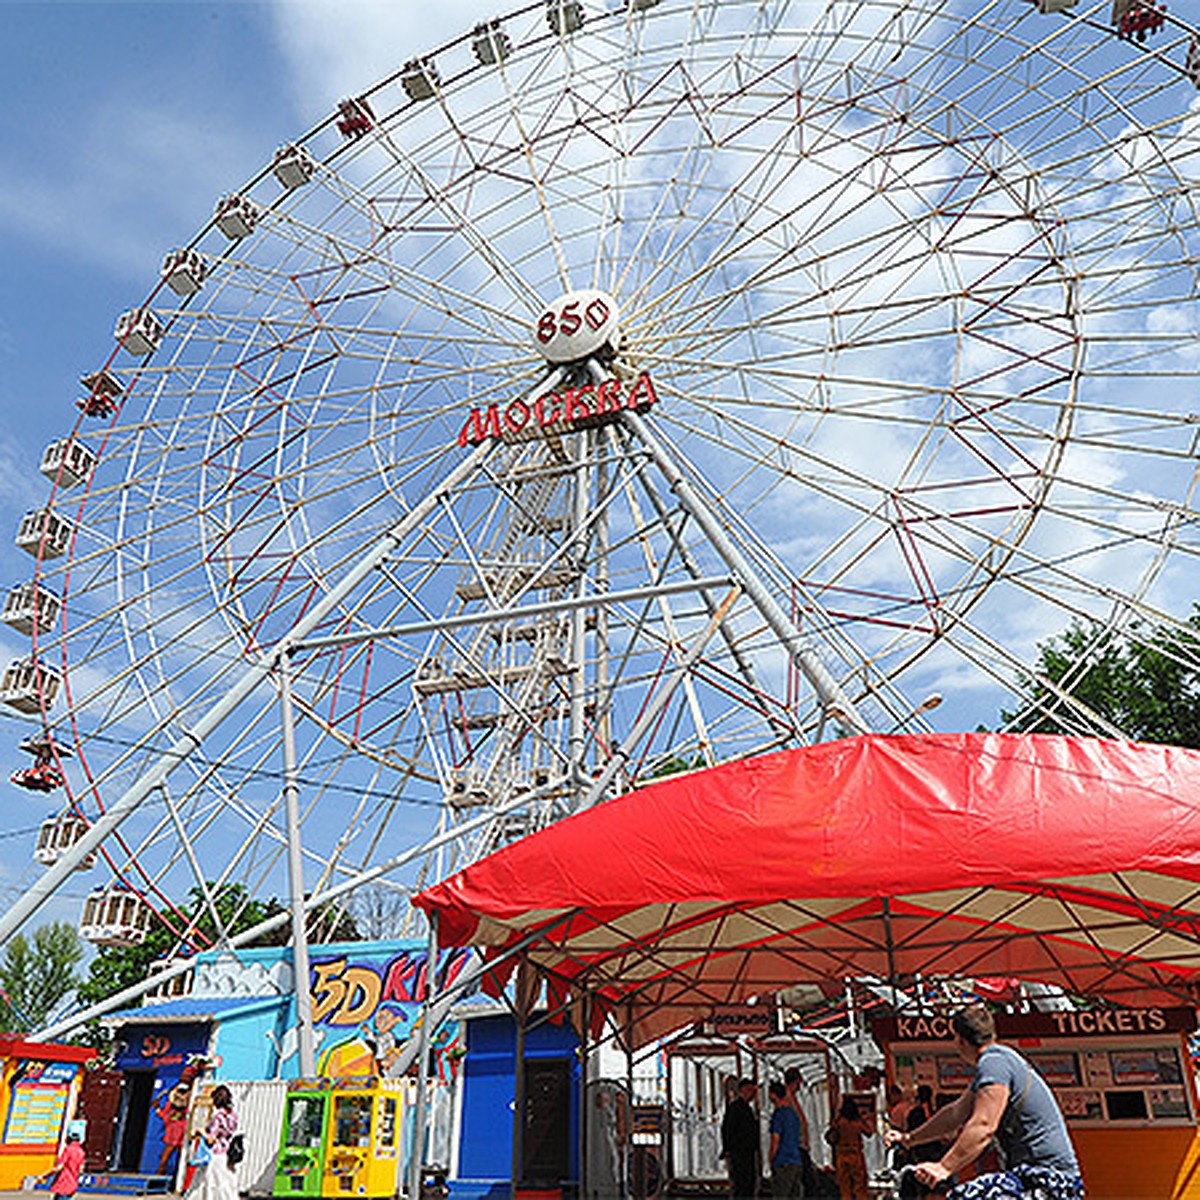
(1009, 1101)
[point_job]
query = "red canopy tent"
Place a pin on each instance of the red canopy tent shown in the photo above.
(1070, 861)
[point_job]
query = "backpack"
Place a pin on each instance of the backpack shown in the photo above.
(236, 1151)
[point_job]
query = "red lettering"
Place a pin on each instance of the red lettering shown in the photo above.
(596, 314)
(547, 327)
(574, 404)
(608, 396)
(516, 416)
(546, 413)
(479, 427)
(643, 394)
(399, 972)
(569, 319)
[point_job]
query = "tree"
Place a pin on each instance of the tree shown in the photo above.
(36, 975)
(379, 912)
(1146, 684)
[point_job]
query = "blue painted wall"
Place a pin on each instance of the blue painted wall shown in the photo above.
(489, 1082)
(163, 1049)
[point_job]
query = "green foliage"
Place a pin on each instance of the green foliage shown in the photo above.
(37, 974)
(1146, 684)
(675, 764)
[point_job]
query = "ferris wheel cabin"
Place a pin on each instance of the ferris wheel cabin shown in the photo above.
(28, 685)
(293, 166)
(114, 916)
(57, 835)
(168, 989)
(43, 533)
(67, 462)
(30, 607)
(138, 331)
(103, 391)
(184, 271)
(419, 78)
(236, 216)
(490, 44)
(45, 774)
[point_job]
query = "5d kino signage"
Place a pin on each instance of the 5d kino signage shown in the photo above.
(576, 408)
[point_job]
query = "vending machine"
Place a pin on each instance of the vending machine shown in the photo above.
(300, 1165)
(362, 1144)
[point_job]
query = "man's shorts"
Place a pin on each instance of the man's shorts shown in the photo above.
(1023, 1182)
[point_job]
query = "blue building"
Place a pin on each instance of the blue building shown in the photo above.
(550, 1133)
(238, 1019)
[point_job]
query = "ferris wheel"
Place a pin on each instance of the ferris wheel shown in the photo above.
(613, 391)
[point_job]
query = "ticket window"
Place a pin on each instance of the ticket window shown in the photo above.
(1140, 1082)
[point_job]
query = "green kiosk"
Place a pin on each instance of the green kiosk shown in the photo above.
(300, 1167)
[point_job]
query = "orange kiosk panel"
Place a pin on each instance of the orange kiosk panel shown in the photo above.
(39, 1083)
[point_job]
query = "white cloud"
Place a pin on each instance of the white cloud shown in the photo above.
(336, 49)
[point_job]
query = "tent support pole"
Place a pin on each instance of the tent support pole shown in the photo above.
(890, 943)
(518, 1081)
(585, 1100)
(416, 1162)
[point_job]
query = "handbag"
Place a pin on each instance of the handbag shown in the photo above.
(201, 1154)
(236, 1151)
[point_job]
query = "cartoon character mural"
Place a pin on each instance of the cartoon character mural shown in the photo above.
(381, 1005)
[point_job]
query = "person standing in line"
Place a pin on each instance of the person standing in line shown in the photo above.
(787, 1160)
(67, 1169)
(218, 1180)
(846, 1137)
(792, 1081)
(899, 1105)
(740, 1142)
(1007, 1100)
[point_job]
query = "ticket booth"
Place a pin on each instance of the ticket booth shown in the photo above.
(362, 1146)
(39, 1084)
(1122, 1077)
(300, 1165)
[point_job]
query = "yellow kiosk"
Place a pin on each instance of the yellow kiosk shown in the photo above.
(1123, 1078)
(362, 1153)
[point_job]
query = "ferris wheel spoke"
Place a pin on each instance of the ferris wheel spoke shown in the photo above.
(907, 288)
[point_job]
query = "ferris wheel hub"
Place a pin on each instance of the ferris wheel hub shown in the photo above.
(577, 325)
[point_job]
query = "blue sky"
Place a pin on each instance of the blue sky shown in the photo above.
(126, 121)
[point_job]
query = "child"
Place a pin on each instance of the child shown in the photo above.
(67, 1168)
